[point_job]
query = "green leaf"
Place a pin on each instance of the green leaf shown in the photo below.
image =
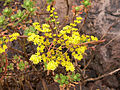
(78, 79)
(19, 14)
(77, 8)
(21, 65)
(61, 84)
(47, 19)
(4, 60)
(77, 74)
(13, 17)
(59, 81)
(56, 77)
(67, 78)
(15, 57)
(45, 63)
(75, 77)
(62, 80)
(0, 70)
(49, 1)
(66, 82)
(2, 19)
(7, 11)
(61, 75)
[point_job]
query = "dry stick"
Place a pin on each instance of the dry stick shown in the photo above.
(15, 81)
(1, 86)
(87, 63)
(50, 54)
(16, 50)
(84, 70)
(92, 42)
(44, 84)
(104, 75)
(80, 86)
(7, 85)
(29, 85)
(22, 73)
(5, 66)
(84, 21)
(67, 7)
(51, 26)
(18, 36)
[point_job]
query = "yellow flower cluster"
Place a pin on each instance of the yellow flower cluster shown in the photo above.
(51, 44)
(68, 65)
(14, 36)
(2, 49)
(52, 65)
(5, 40)
(35, 58)
(53, 15)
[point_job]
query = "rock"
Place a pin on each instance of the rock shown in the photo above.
(111, 81)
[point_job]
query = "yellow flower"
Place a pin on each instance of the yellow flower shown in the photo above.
(73, 24)
(35, 23)
(56, 16)
(2, 49)
(69, 66)
(53, 8)
(44, 57)
(35, 59)
(79, 18)
(55, 13)
(14, 36)
(5, 47)
(1, 42)
(63, 32)
(52, 65)
(51, 15)
(48, 8)
(94, 38)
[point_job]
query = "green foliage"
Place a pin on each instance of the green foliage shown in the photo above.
(49, 1)
(67, 79)
(77, 8)
(7, 11)
(10, 66)
(86, 3)
(21, 65)
(28, 5)
(16, 57)
(1, 70)
(31, 29)
(2, 19)
(7, 2)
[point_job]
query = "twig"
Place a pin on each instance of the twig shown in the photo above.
(104, 75)
(29, 84)
(18, 36)
(44, 84)
(67, 7)
(88, 63)
(5, 66)
(92, 42)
